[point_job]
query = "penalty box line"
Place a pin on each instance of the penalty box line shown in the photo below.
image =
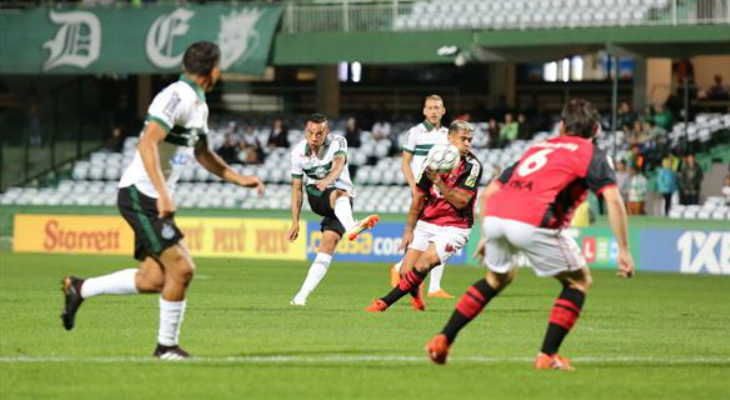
(334, 359)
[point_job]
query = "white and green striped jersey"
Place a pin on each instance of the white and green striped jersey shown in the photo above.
(313, 167)
(419, 141)
(180, 109)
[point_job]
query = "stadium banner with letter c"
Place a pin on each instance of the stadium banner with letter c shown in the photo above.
(205, 237)
(379, 244)
(76, 40)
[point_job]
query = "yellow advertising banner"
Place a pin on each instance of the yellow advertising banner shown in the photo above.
(205, 237)
(242, 238)
(72, 234)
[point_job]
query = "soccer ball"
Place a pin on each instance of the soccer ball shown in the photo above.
(443, 158)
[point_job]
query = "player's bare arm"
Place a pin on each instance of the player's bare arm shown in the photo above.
(338, 163)
(458, 198)
(215, 165)
(417, 202)
(405, 167)
(620, 226)
(149, 151)
(296, 207)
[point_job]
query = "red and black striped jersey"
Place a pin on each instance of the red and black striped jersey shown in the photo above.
(550, 181)
(437, 210)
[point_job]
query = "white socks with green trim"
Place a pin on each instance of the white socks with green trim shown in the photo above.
(316, 272)
(120, 282)
(171, 318)
(343, 212)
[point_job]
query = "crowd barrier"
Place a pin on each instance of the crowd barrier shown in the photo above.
(666, 249)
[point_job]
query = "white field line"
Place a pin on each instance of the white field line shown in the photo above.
(343, 359)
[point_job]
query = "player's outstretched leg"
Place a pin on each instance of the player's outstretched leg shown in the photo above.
(317, 271)
(434, 284)
(179, 271)
(470, 305)
(340, 201)
(76, 290)
(395, 273)
(422, 262)
(563, 317)
(409, 281)
(366, 223)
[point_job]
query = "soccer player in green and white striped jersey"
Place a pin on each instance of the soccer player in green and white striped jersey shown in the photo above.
(319, 166)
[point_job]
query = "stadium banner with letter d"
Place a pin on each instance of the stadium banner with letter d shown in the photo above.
(58, 40)
(205, 237)
(379, 244)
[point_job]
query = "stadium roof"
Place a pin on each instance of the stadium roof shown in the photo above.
(499, 45)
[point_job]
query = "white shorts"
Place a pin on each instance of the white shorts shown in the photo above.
(447, 239)
(550, 251)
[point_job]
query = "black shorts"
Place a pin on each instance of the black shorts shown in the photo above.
(152, 234)
(320, 205)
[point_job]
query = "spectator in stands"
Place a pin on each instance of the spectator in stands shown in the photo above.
(229, 150)
(509, 130)
(278, 135)
(493, 132)
(663, 117)
(626, 117)
(623, 180)
(33, 127)
(381, 129)
(666, 183)
(689, 181)
(636, 159)
(718, 91)
(656, 133)
(115, 142)
(353, 134)
(251, 147)
(524, 131)
(636, 135)
(637, 191)
(647, 115)
(726, 190)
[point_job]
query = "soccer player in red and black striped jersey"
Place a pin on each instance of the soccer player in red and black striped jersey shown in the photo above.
(525, 211)
(439, 221)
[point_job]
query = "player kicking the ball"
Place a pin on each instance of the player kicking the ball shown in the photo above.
(439, 220)
(420, 139)
(525, 211)
(174, 135)
(319, 165)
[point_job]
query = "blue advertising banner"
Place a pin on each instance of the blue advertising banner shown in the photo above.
(685, 251)
(377, 245)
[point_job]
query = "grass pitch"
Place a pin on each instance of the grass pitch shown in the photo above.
(654, 337)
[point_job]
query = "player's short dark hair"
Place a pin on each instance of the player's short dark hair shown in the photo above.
(201, 57)
(580, 118)
(317, 119)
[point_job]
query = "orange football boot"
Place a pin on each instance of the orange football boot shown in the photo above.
(366, 223)
(544, 361)
(377, 306)
(438, 349)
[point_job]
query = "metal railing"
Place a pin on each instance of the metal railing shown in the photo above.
(407, 15)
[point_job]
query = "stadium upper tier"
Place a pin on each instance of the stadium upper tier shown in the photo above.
(522, 14)
(434, 15)
(378, 176)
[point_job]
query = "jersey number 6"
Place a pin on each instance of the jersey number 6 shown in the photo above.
(534, 162)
